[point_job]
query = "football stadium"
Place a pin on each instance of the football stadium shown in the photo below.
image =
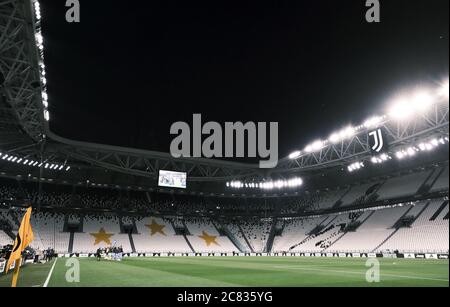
(322, 170)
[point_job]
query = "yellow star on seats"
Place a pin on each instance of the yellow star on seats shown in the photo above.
(102, 236)
(209, 239)
(156, 228)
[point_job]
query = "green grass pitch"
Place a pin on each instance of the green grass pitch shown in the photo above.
(237, 272)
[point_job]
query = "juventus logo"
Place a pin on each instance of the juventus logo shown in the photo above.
(376, 140)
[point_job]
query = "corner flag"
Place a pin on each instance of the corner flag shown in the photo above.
(24, 237)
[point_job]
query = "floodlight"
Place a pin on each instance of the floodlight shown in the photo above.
(294, 155)
(373, 122)
(411, 151)
(348, 132)
(422, 100)
(444, 90)
(317, 145)
(400, 155)
(335, 138)
(401, 110)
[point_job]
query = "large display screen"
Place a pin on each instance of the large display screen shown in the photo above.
(172, 179)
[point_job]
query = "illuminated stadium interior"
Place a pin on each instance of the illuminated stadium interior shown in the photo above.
(374, 189)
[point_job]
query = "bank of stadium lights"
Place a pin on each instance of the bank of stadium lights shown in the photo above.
(33, 163)
(422, 147)
(408, 152)
(295, 155)
(381, 158)
(39, 39)
(355, 166)
(417, 102)
(338, 136)
(266, 185)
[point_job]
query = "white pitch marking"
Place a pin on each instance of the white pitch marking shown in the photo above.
(50, 274)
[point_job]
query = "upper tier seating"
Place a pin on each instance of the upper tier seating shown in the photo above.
(403, 186)
(442, 181)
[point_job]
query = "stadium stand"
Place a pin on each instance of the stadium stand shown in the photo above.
(442, 181)
(238, 235)
(158, 235)
(5, 239)
(429, 231)
(48, 232)
(403, 185)
(350, 219)
(372, 233)
(100, 231)
(359, 193)
(205, 237)
(257, 232)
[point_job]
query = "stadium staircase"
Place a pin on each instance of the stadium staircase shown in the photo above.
(271, 237)
(189, 243)
(183, 232)
(233, 239)
(122, 229)
(10, 234)
(66, 223)
(149, 199)
(81, 224)
(218, 229)
(246, 239)
(15, 219)
(396, 229)
(446, 216)
(368, 217)
(439, 211)
(71, 239)
(422, 211)
(130, 237)
(430, 181)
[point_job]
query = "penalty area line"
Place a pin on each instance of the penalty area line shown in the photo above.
(50, 273)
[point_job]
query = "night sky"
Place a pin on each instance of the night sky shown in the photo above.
(132, 68)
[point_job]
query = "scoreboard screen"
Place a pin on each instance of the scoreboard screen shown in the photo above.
(171, 179)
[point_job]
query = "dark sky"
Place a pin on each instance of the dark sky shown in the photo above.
(132, 68)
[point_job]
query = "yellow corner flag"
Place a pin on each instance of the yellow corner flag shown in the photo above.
(24, 237)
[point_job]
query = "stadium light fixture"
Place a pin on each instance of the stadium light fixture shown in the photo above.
(373, 122)
(267, 185)
(335, 138)
(444, 90)
(295, 155)
(317, 145)
(422, 101)
(355, 166)
(401, 109)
